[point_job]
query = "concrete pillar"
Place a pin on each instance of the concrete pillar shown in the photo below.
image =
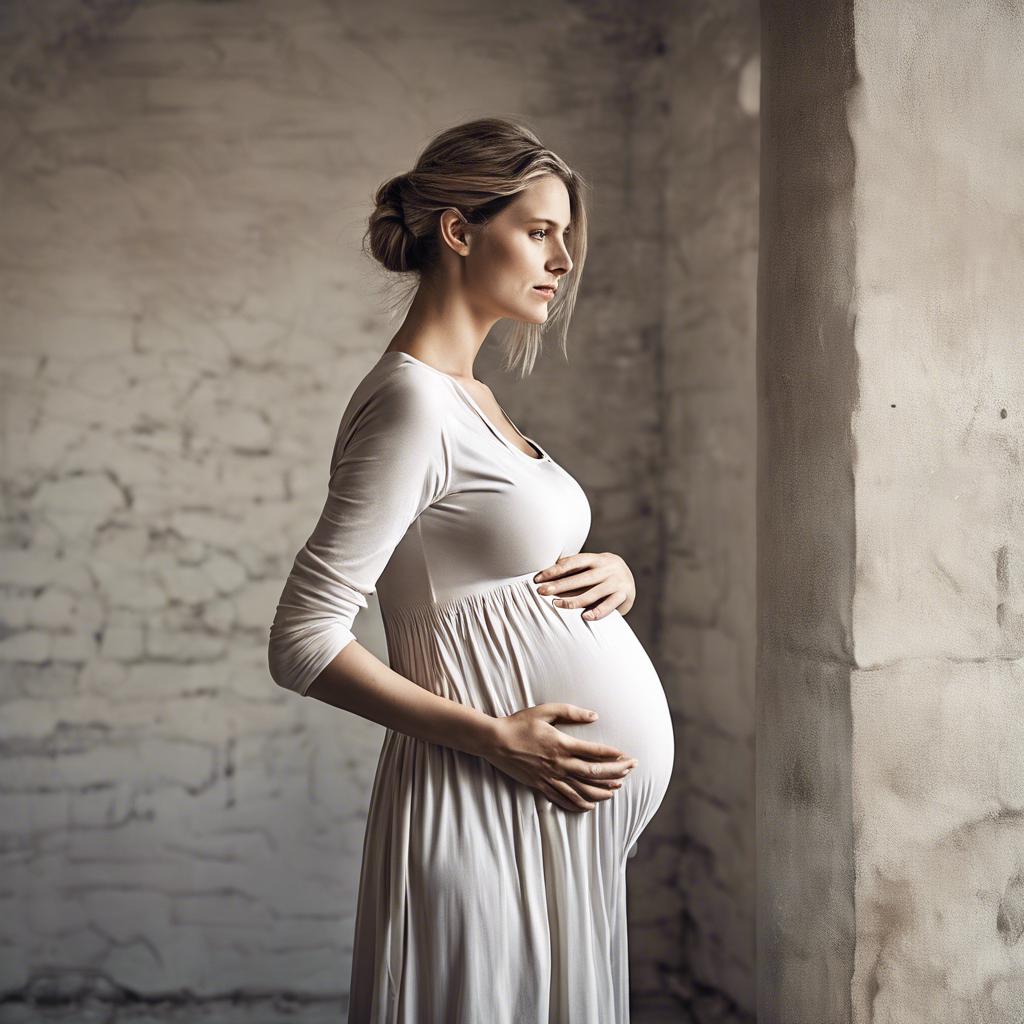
(890, 761)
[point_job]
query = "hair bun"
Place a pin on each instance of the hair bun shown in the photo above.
(389, 195)
(391, 242)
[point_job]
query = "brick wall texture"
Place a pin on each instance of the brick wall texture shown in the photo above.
(185, 185)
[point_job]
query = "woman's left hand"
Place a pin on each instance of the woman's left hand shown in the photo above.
(596, 575)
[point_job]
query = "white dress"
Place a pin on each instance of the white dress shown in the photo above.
(480, 901)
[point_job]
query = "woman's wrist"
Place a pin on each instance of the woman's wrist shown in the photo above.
(481, 732)
(449, 723)
(485, 734)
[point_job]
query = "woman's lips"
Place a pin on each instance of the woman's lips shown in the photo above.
(548, 293)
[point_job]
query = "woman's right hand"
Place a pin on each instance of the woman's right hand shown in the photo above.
(570, 772)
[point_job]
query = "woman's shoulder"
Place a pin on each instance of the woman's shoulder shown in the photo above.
(400, 385)
(398, 394)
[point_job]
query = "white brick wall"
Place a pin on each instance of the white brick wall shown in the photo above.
(185, 187)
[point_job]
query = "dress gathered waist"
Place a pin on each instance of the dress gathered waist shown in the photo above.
(452, 595)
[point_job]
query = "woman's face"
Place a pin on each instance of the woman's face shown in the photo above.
(521, 248)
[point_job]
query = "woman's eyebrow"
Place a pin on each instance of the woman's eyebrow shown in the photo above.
(544, 220)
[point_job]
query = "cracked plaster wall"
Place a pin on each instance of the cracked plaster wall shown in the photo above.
(890, 692)
(937, 124)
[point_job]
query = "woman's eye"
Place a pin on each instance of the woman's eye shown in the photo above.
(540, 231)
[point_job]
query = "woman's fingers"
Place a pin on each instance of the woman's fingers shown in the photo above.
(595, 751)
(580, 795)
(562, 584)
(585, 796)
(593, 771)
(596, 791)
(576, 801)
(553, 797)
(557, 797)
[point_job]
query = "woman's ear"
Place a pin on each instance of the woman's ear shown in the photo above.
(454, 231)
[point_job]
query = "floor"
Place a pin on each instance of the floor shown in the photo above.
(234, 1012)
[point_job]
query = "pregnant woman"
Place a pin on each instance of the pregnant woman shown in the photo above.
(528, 742)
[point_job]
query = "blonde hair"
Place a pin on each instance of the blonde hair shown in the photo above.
(476, 168)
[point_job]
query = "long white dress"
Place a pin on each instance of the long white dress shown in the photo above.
(480, 901)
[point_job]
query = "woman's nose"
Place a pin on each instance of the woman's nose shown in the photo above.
(563, 264)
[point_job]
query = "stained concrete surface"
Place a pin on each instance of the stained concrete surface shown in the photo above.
(890, 687)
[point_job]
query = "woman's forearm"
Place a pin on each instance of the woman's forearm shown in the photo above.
(360, 682)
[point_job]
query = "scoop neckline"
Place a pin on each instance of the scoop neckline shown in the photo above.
(479, 411)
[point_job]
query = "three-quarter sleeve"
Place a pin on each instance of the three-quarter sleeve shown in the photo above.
(390, 462)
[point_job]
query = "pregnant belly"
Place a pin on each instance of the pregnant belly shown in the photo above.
(508, 647)
(601, 666)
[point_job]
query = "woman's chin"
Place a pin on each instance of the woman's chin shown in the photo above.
(531, 315)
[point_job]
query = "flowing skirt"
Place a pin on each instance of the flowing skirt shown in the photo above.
(480, 900)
